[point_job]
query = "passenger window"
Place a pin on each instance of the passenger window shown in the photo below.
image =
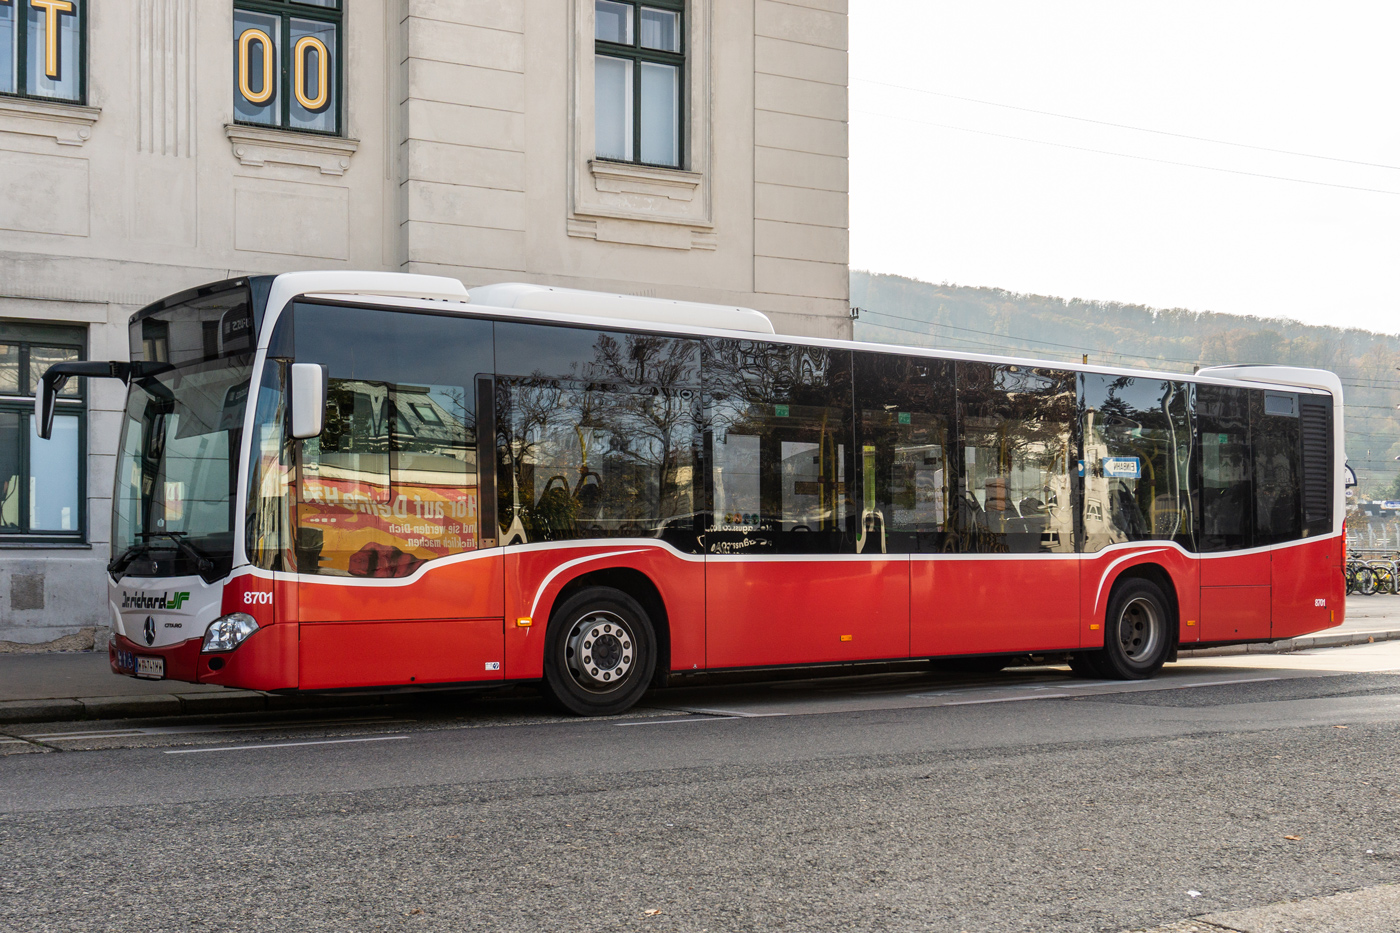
(392, 480)
(1222, 423)
(597, 435)
(1014, 494)
(778, 426)
(904, 406)
(1278, 444)
(1137, 461)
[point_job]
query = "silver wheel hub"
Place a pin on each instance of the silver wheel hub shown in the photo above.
(1140, 629)
(601, 650)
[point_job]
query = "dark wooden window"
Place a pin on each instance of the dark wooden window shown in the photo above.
(42, 494)
(43, 49)
(639, 81)
(287, 65)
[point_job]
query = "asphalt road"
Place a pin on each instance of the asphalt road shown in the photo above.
(1021, 801)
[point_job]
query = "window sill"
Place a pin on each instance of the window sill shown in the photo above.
(652, 181)
(66, 124)
(256, 146)
(643, 205)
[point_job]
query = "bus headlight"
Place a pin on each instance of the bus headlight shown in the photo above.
(228, 632)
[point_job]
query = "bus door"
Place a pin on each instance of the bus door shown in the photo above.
(1236, 577)
(400, 576)
(783, 581)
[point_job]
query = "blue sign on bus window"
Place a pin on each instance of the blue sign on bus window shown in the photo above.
(1122, 467)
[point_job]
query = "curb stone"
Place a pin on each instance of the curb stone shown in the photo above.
(13, 712)
(1288, 645)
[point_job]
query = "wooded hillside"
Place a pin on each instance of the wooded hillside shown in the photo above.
(900, 310)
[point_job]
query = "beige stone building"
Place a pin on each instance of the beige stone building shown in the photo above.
(693, 149)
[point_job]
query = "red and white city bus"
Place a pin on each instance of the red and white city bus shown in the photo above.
(336, 480)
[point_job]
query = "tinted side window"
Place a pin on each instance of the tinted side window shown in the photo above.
(596, 434)
(904, 417)
(1277, 432)
(1137, 461)
(778, 428)
(1227, 497)
(1016, 427)
(392, 480)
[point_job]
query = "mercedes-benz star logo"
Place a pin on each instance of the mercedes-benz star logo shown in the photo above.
(150, 630)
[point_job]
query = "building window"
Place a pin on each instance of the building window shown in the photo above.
(638, 81)
(286, 64)
(42, 49)
(41, 482)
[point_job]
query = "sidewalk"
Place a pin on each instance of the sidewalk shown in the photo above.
(1369, 910)
(80, 685)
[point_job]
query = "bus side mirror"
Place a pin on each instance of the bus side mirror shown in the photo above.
(57, 376)
(308, 400)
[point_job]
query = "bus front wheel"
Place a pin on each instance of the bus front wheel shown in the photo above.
(600, 652)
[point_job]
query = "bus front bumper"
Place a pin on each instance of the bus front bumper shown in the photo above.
(179, 661)
(267, 660)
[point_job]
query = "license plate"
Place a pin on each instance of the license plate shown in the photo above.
(151, 668)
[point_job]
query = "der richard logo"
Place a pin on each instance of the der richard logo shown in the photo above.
(152, 601)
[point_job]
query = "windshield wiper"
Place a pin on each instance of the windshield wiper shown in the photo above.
(123, 560)
(202, 560)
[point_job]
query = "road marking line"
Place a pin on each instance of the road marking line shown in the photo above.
(728, 713)
(207, 729)
(1094, 689)
(244, 748)
(663, 722)
(1043, 696)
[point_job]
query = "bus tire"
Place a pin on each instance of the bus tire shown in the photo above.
(600, 653)
(1136, 631)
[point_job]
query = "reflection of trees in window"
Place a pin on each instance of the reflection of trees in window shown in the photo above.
(1137, 452)
(1016, 431)
(779, 418)
(604, 450)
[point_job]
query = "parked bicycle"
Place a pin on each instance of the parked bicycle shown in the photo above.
(1360, 578)
(1386, 572)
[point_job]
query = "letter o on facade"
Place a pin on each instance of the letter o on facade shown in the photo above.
(304, 47)
(269, 83)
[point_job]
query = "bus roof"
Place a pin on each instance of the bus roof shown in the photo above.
(550, 305)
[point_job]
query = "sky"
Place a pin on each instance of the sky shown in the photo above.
(951, 182)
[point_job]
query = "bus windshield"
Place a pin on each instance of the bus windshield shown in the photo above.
(174, 508)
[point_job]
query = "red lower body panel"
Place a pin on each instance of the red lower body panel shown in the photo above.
(1235, 613)
(365, 654)
(1309, 591)
(999, 604)
(766, 612)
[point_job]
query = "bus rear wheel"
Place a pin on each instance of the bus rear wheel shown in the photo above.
(1137, 635)
(600, 653)
(1137, 631)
